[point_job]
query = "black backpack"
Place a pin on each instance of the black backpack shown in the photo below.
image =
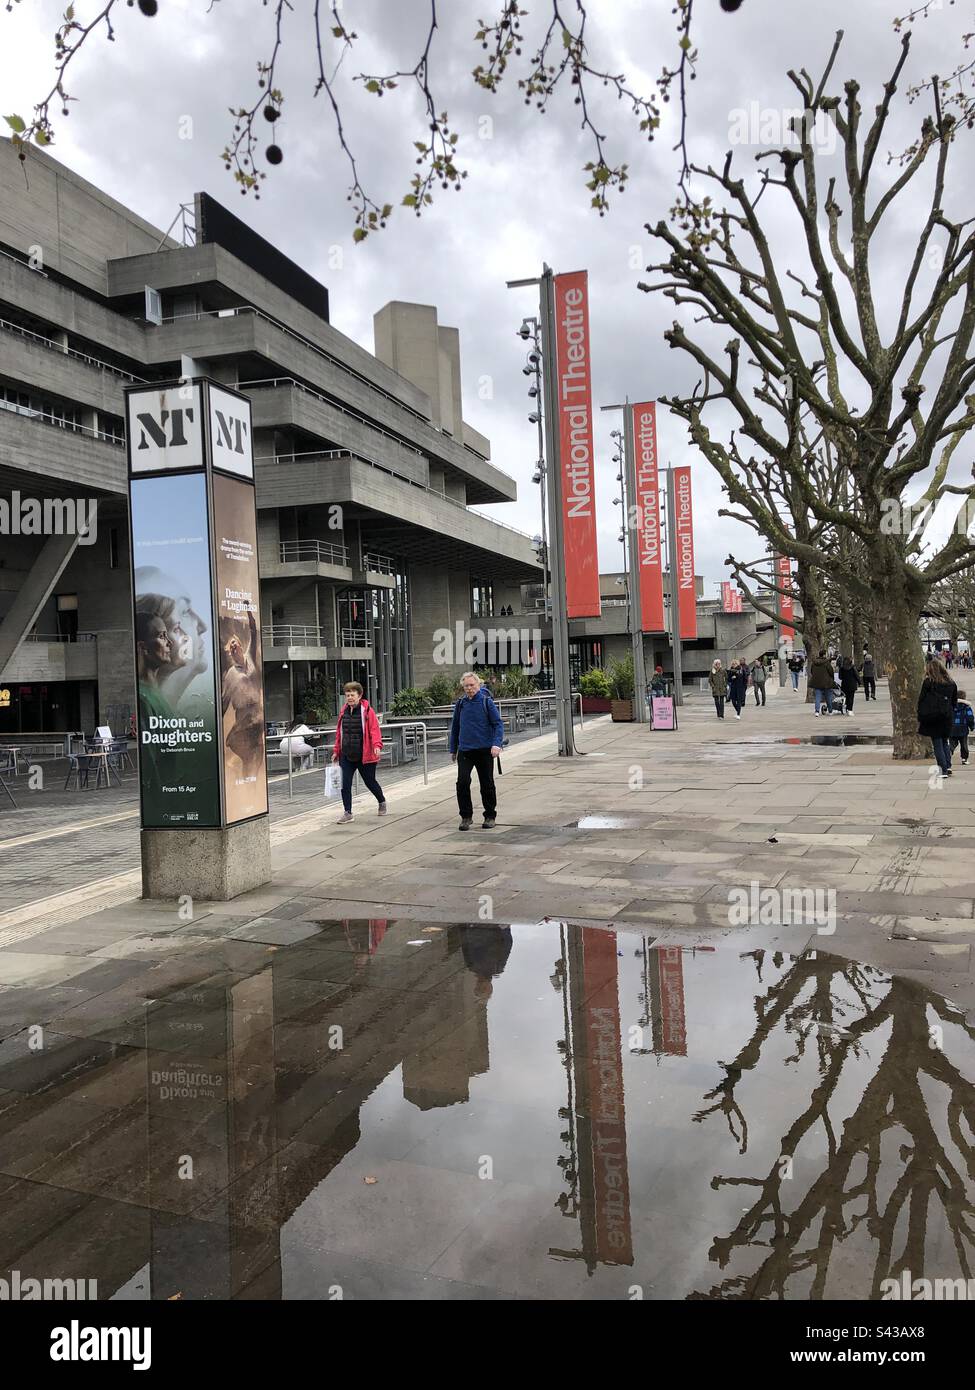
(935, 702)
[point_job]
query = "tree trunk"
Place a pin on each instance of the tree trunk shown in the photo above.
(899, 609)
(813, 618)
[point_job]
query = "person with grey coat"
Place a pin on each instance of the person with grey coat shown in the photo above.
(758, 681)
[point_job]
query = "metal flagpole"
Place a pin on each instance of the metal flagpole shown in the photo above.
(674, 599)
(635, 604)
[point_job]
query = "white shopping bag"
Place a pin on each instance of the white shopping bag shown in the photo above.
(333, 781)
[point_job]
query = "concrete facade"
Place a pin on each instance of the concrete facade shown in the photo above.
(366, 470)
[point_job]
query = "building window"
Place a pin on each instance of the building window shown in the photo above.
(113, 548)
(67, 610)
(482, 598)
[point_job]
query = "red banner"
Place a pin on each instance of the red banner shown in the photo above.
(673, 1023)
(648, 517)
(783, 580)
(730, 598)
(573, 371)
(685, 553)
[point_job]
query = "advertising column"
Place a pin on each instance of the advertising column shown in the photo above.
(574, 385)
(783, 581)
(203, 783)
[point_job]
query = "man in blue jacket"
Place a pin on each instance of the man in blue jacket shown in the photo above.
(476, 736)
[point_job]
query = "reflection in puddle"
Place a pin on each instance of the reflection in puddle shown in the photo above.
(606, 823)
(536, 1111)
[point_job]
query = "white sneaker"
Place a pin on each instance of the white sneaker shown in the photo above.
(737, 716)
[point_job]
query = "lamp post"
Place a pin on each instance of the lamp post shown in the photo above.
(530, 330)
(626, 457)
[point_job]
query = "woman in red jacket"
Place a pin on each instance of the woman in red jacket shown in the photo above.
(358, 745)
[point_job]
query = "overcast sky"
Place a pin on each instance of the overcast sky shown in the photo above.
(523, 203)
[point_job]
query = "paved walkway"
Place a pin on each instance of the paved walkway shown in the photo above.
(866, 856)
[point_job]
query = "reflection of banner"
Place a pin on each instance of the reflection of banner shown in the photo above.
(783, 580)
(574, 384)
(178, 753)
(648, 517)
(685, 553)
(669, 1021)
(604, 1067)
(242, 672)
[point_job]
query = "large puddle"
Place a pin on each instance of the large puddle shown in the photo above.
(395, 1110)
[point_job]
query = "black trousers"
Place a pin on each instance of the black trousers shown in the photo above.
(849, 696)
(964, 746)
(869, 688)
(719, 705)
(759, 690)
(737, 698)
(481, 760)
(367, 771)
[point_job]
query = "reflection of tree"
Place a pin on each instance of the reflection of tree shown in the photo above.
(844, 1004)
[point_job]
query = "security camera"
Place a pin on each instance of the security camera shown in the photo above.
(534, 417)
(617, 501)
(534, 357)
(533, 391)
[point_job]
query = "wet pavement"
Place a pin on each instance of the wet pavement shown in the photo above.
(295, 1107)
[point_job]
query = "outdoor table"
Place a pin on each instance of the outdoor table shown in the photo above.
(103, 768)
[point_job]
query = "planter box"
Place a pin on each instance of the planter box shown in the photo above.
(596, 704)
(622, 711)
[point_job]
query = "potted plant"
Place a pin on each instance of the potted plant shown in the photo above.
(410, 702)
(443, 689)
(620, 676)
(596, 691)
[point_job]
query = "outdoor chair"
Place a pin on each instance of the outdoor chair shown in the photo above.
(79, 766)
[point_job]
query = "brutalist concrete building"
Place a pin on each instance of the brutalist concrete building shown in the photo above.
(366, 470)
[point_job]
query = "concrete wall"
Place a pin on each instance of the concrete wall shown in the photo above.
(76, 226)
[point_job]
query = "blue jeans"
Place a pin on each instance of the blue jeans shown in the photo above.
(823, 697)
(942, 753)
(795, 679)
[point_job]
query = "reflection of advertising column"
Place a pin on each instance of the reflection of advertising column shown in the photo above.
(202, 771)
(667, 1000)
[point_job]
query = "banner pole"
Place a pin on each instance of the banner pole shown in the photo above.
(636, 603)
(553, 476)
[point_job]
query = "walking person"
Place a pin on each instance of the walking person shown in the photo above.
(476, 739)
(868, 671)
(821, 680)
(962, 724)
(796, 662)
(935, 710)
(849, 681)
(358, 747)
(737, 685)
(758, 680)
(718, 681)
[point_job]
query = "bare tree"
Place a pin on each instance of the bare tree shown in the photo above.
(893, 406)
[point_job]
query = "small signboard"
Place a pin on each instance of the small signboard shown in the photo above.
(662, 712)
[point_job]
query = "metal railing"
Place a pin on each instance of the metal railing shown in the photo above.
(324, 552)
(354, 637)
(71, 425)
(61, 637)
(379, 564)
(242, 309)
(271, 382)
(66, 351)
(294, 635)
(422, 487)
